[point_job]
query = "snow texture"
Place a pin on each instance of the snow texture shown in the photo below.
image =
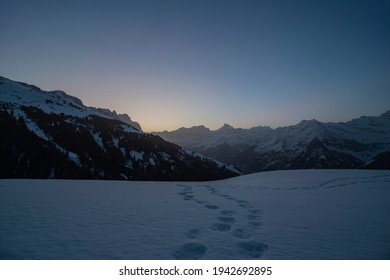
(306, 214)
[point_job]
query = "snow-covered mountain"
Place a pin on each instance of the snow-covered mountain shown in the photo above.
(57, 102)
(360, 143)
(49, 134)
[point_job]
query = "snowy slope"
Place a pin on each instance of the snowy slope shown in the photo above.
(17, 94)
(306, 214)
(49, 134)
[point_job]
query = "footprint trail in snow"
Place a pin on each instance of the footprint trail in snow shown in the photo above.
(243, 225)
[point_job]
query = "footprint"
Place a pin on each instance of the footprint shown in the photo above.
(252, 217)
(227, 212)
(212, 190)
(200, 201)
(226, 196)
(332, 181)
(186, 191)
(190, 251)
(255, 224)
(193, 233)
(211, 206)
(241, 233)
(227, 220)
(182, 193)
(221, 227)
(253, 249)
(254, 211)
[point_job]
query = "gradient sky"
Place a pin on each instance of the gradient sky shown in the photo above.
(179, 63)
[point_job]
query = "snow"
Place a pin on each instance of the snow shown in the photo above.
(57, 102)
(115, 142)
(152, 161)
(374, 132)
(75, 158)
(32, 126)
(129, 129)
(98, 139)
(129, 164)
(137, 155)
(166, 156)
(305, 214)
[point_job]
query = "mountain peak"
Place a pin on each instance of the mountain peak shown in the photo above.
(309, 122)
(199, 129)
(386, 115)
(226, 127)
(56, 101)
(308, 144)
(126, 119)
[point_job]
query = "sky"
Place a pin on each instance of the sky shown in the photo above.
(171, 64)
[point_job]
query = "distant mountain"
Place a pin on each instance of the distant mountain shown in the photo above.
(49, 134)
(360, 143)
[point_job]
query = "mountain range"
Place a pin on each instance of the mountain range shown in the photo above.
(359, 143)
(50, 134)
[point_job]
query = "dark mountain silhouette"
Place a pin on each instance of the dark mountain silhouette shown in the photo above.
(49, 134)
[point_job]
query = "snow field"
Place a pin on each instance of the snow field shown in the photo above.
(306, 214)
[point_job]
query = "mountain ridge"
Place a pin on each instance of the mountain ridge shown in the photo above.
(50, 134)
(358, 143)
(55, 101)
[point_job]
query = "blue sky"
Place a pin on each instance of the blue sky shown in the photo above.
(182, 63)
